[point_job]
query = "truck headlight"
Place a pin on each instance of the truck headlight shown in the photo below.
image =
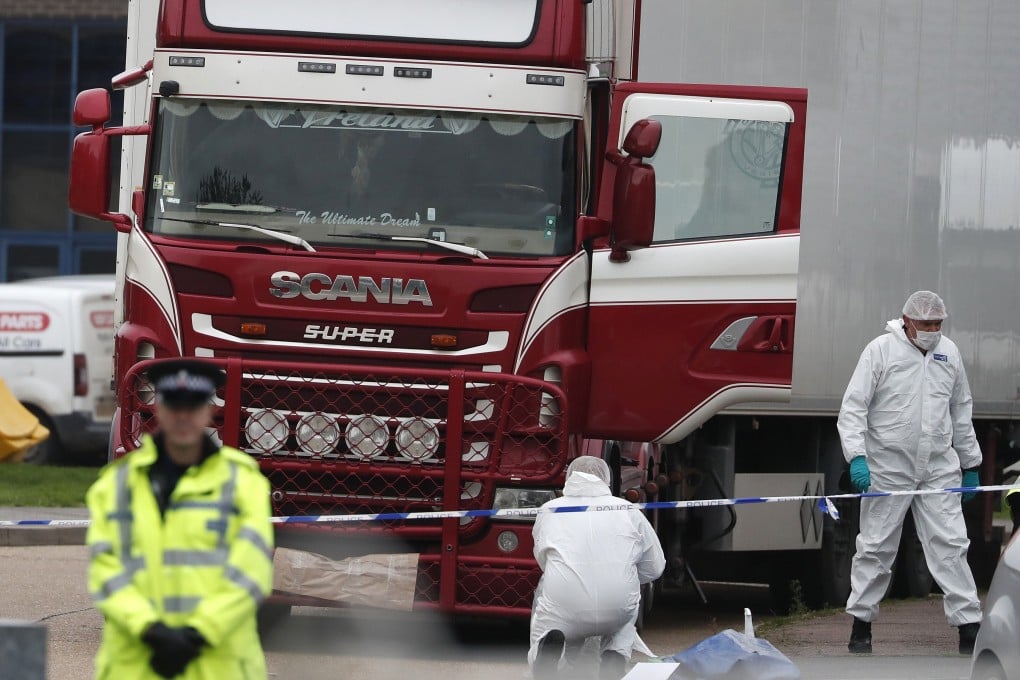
(367, 436)
(266, 430)
(318, 434)
(417, 439)
(521, 499)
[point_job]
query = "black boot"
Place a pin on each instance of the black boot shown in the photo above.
(860, 637)
(547, 661)
(968, 636)
(613, 666)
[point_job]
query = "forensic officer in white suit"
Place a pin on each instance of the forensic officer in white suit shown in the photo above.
(593, 565)
(905, 424)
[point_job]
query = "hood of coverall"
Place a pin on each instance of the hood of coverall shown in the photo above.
(895, 326)
(583, 484)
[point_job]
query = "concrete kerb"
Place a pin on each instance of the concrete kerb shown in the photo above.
(39, 536)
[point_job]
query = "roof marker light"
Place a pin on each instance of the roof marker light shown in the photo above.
(401, 72)
(316, 67)
(540, 79)
(187, 61)
(365, 70)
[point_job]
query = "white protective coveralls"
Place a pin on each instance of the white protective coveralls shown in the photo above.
(910, 414)
(593, 565)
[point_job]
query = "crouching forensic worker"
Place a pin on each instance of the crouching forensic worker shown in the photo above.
(593, 565)
(905, 424)
(181, 544)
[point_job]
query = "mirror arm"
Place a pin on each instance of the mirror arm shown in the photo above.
(124, 130)
(615, 157)
(118, 219)
(619, 255)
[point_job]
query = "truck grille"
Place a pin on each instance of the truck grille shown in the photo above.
(347, 439)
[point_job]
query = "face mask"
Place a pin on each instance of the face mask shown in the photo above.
(927, 340)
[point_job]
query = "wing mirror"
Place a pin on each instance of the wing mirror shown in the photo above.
(634, 190)
(89, 190)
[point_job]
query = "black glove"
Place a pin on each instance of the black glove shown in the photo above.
(172, 648)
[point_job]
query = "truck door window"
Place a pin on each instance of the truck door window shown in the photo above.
(717, 177)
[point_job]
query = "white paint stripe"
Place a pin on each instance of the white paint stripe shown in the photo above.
(146, 269)
(264, 76)
(722, 398)
(562, 292)
(720, 271)
(202, 324)
(693, 302)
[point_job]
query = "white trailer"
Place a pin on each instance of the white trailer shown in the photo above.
(911, 181)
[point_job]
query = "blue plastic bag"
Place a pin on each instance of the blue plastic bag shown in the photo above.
(733, 656)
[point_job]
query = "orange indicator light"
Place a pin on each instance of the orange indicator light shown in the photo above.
(444, 341)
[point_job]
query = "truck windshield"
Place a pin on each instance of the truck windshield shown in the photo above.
(502, 184)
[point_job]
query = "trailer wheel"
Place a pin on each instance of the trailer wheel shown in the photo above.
(50, 451)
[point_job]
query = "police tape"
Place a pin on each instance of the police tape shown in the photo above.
(826, 504)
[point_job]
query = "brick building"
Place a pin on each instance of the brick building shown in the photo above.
(50, 50)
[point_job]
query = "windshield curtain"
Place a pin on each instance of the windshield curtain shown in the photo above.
(502, 184)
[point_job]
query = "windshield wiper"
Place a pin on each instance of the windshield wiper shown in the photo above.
(287, 238)
(455, 247)
(238, 207)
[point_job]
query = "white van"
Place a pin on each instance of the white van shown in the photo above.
(56, 356)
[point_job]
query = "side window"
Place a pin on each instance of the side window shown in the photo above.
(717, 177)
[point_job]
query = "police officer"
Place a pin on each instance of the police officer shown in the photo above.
(181, 543)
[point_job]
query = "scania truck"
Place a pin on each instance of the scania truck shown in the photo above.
(436, 245)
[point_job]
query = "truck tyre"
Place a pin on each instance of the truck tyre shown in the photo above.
(50, 451)
(911, 577)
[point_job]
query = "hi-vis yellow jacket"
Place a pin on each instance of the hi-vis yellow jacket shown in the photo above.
(207, 563)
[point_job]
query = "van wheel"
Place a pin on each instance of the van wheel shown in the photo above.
(49, 451)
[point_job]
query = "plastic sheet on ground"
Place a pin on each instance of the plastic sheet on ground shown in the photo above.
(384, 581)
(727, 656)
(19, 429)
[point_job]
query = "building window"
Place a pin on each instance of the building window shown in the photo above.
(29, 262)
(44, 64)
(34, 183)
(37, 74)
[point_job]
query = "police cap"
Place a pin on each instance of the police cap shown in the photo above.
(184, 383)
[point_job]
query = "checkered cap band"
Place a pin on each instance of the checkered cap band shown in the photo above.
(182, 381)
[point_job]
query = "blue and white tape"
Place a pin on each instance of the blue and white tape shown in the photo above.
(825, 503)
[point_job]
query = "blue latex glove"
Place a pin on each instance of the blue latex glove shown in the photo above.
(860, 475)
(970, 479)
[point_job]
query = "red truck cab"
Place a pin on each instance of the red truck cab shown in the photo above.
(435, 245)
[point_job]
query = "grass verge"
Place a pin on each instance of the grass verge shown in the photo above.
(45, 486)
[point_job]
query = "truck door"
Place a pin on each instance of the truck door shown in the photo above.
(703, 317)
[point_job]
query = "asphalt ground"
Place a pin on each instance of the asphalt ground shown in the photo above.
(912, 640)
